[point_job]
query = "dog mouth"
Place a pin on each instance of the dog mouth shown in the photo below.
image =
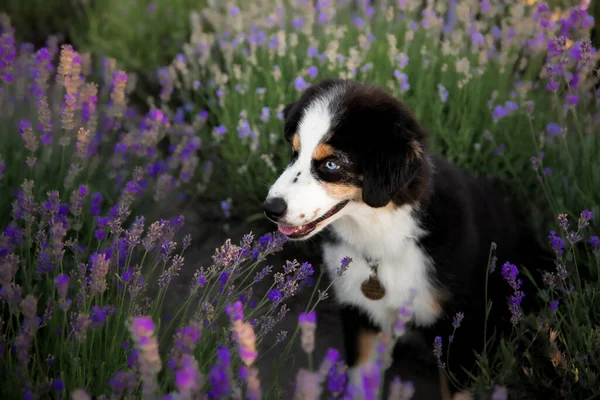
(297, 232)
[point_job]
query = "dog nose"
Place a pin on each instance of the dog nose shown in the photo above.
(274, 208)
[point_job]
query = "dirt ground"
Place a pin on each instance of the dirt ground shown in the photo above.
(208, 235)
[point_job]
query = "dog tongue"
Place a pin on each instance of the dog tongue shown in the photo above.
(287, 230)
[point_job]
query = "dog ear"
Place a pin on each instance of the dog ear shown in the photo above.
(290, 121)
(390, 170)
(287, 108)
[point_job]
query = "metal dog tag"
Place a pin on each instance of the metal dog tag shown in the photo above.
(372, 287)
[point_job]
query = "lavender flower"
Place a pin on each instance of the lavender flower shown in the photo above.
(187, 378)
(370, 381)
(443, 93)
(244, 334)
(220, 374)
(99, 315)
(187, 338)
(510, 273)
(403, 78)
(250, 375)
(30, 139)
(556, 242)
(173, 271)
(61, 282)
(585, 218)
(142, 330)
(220, 130)
(77, 200)
(265, 114)
(402, 60)
(123, 382)
(29, 307)
(80, 324)
(8, 54)
(336, 379)
(437, 351)
(331, 358)
(344, 264)
(499, 113)
(275, 295)
(457, 320)
(554, 305)
(301, 84)
(553, 129)
(263, 273)
(308, 327)
(99, 265)
(96, 204)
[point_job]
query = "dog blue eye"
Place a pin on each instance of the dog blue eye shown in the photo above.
(331, 165)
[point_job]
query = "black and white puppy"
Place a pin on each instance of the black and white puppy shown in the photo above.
(362, 173)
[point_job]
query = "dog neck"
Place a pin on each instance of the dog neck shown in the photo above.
(378, 233)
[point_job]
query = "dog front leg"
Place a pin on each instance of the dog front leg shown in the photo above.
(360, 342)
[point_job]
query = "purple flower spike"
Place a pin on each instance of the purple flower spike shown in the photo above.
(235, 311)
(457, 320)
(584, 218)
(62, 284)
(557, 243)
(187, 377)
(437, 351)
(509, 273)
(308, 318)
(301, 84)
(142, 327)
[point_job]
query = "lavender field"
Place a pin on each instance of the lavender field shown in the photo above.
(139, 139)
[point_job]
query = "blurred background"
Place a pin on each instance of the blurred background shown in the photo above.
(139, 139)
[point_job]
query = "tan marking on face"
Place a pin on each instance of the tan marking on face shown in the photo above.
(296, 142)
(342, 192)
(322, 151)
(366, 347)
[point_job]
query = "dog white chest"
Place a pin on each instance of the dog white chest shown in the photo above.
(402, 267)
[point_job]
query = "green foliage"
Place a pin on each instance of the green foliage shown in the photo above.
(88, 254)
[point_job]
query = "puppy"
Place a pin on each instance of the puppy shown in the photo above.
(416, 228)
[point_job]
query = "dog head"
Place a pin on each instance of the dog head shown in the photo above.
(351, 144)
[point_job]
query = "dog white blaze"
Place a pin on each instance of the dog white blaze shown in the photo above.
(306, 198)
